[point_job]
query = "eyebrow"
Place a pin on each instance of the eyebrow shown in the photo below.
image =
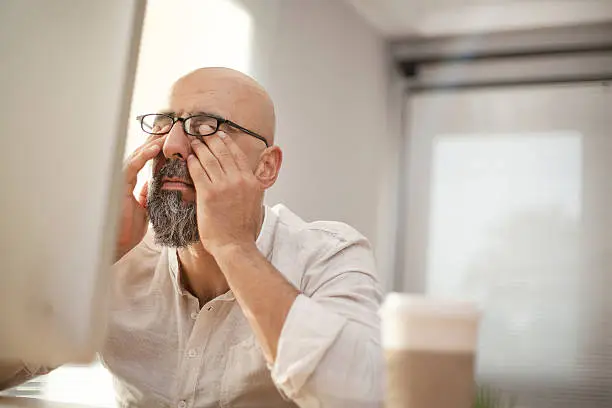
(173, 113)
(214, 115)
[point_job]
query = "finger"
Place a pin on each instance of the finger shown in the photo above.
(241, 160)
(221, 152)
(196, 171)
(136, 162)
(142, 196)
(209, 162)
(151, 140)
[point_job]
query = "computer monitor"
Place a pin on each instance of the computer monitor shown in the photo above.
(66, 78)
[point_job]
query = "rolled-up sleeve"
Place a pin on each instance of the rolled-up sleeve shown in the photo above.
(13, 374)
(329, 352)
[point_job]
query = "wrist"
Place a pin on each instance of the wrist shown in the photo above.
(230, 251)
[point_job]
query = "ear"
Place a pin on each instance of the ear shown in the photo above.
(268, 166)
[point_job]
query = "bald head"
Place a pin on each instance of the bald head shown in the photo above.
(227, 93)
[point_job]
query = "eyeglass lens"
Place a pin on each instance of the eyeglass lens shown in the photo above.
(199, 125)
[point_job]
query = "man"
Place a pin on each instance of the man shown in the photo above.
(227, 302)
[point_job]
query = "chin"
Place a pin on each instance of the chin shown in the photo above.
(187, 195)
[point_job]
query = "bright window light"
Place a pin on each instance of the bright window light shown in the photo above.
(505, 230)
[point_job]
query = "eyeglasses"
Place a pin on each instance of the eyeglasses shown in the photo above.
(199, 125)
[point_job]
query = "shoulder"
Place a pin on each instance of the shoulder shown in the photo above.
(315, 234)
(138, 267)
(314, 247)
(324, 257)
(143, 253)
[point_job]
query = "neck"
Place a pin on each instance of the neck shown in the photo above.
(200, 273)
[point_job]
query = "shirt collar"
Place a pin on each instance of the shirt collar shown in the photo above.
(264, 243)
(265, 239)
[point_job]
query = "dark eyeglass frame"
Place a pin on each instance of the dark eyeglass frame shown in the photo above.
(219, 120)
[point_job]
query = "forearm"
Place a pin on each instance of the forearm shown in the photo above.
(262, 292)
(15, 373)
(325, 359)
(350, 374)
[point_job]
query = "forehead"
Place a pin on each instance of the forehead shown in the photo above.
(225, 94)
(185, 99)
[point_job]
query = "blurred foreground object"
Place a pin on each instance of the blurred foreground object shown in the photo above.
(66, 79)
(430, 348)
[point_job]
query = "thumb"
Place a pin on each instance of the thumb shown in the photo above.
(142, 196)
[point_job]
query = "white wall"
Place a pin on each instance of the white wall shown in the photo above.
(326, 70)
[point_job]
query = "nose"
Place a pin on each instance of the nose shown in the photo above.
(177, 144)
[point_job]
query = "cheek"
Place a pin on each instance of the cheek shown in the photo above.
(250, 149)
(158, 163)
(254, 163)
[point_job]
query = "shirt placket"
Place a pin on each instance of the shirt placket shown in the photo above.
(192, 359)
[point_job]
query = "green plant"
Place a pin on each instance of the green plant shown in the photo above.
(488, 398)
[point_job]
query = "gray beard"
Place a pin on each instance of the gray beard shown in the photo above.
(174, 221)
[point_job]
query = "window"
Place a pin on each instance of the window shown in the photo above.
(505, 225)
(509, 204)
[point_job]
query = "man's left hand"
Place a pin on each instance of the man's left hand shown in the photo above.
(228, 195)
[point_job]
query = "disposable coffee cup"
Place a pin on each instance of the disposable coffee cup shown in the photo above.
(430, 351)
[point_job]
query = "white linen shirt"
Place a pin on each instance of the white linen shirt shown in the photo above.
(166, 351)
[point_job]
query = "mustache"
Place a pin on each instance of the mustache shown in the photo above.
(173, 168)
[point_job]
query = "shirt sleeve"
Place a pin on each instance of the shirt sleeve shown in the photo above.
(329, 352)
(13, 374)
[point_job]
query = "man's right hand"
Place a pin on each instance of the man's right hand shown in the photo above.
(133, 219)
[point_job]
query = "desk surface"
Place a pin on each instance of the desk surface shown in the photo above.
(18, 402)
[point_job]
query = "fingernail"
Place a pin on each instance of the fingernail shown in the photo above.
(222, 135)
(154, 148)
(195, 141)
(190, 157)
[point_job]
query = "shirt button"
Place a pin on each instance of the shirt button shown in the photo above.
(182, 404)
(194, 315)
(192, 353)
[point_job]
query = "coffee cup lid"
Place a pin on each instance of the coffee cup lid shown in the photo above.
(420, 304)
(423, 323)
